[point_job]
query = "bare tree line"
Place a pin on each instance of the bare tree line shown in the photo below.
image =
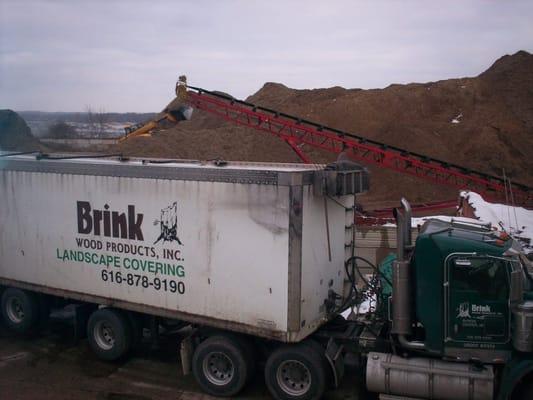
(97, 120)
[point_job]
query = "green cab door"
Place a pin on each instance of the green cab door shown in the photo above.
(477, 302)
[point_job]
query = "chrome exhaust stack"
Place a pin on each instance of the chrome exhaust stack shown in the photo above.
(401, 283)
(407, 221)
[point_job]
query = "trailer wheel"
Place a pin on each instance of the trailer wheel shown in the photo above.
(20, 310)
(296, 372)
(109, 334)
(221, 366)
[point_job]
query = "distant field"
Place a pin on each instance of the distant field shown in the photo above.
(107, 125)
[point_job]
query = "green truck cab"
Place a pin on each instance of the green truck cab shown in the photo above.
(461, 316)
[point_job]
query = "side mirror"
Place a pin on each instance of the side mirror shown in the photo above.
(517, 283)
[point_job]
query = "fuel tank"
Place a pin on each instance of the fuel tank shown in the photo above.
(427, 378)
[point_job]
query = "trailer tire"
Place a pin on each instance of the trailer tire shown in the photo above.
(296, 372)
(21, 310)
(221, 366)
(109, 334)
(321, 352)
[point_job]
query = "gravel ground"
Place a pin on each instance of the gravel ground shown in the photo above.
(54, 366)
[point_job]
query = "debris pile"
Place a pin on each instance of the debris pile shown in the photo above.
(14, 133)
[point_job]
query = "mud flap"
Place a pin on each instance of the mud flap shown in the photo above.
(336, 361)
(186, 351)
(82, 312)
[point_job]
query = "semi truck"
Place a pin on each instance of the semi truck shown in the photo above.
(255, 264)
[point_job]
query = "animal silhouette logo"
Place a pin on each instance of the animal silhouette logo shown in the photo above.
(464, 310)
(168, 224)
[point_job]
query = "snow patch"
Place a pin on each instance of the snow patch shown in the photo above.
(364, 308)
(517, 221)
(457, 119)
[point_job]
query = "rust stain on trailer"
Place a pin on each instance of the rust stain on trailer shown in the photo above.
(210, 231)
(260, 200)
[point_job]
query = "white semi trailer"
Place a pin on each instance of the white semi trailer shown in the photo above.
(256, 262)
(242, 252)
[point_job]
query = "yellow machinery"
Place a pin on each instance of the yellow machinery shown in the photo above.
(177, 110)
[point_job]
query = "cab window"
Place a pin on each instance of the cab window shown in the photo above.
(486, 276)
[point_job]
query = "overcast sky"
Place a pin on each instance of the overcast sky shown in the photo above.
(127, 55)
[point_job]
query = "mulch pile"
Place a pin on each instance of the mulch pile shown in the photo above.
(484, 123)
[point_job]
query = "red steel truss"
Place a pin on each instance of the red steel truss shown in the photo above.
(297, 132)
(416, 208)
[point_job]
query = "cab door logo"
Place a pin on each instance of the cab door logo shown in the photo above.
(464, 310)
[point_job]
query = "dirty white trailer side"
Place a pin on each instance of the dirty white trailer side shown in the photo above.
(253, 248)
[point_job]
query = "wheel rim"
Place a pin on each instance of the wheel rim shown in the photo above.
(218, 368)
(104, 335)
(293, 377)
(15, 310)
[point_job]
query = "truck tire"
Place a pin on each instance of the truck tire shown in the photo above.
(321, 352)
(21, 310)
(221, 365)
(295, 372)
(109, 334)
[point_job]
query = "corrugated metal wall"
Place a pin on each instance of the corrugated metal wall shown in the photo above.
(376, 242)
